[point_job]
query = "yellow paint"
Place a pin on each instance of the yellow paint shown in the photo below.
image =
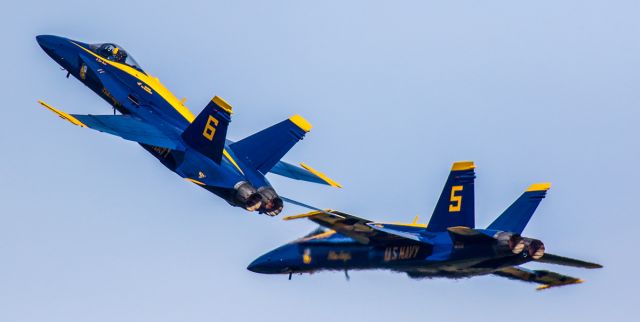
(321, 235)
(195, 181)
(539, 186)
(306, 256)
(210, 128)
(455, 199)
(223, 104)
(305, 215)
(301, 122)
(145, 88)
(339, 256)
(414, 224)
(228, 156)
(63, 115)
(116, 50)
(415, 220)
(151, 81)
(321, 176)
(463, 165)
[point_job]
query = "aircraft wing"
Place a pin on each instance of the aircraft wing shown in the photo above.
(304, 173)
(547, 279)
(362, 230)
(566, 261)
(124, 126)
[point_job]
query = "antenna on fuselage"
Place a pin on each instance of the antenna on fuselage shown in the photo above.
(346, 275)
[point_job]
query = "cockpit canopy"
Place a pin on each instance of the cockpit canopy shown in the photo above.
(115, 53)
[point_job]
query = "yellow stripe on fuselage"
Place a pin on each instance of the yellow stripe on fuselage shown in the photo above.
(228, 156)
(152, 82)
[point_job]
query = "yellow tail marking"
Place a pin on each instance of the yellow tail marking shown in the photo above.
(223, 104)
(63, 115)
(462, 165)
(210, 128)
(544, 186)
(321, 176)
(456, 200)
(301, 122)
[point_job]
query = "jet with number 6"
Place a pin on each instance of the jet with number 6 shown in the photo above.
(449, 246)
(196, 148)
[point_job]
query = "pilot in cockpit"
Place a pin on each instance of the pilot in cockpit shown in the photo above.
(112, 53)
(118, 55)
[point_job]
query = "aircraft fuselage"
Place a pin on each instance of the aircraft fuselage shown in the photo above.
(131, 91)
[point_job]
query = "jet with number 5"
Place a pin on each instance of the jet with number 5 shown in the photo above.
(449, 246)
(196, 148)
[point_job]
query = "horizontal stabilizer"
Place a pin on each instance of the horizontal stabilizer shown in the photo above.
(124, 126)
(516, 217)
(546, 278)
(264, 149)
(304, 173)
(566, 261)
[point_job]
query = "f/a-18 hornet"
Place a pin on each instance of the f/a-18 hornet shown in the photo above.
(195, 148)
(449, 246)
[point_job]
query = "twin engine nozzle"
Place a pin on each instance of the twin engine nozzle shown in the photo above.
(265, 200)
(517, 244)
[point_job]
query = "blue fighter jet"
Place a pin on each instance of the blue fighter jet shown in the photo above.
(449, 246)
(195, 148)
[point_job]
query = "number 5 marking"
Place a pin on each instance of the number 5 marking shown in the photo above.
(210, 128)
(456, 201)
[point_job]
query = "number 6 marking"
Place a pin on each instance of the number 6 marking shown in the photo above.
(210, 128)
(456, 200)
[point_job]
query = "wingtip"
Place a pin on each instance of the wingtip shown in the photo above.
(304, 215)
(63, 115)
(542, 287)
(200, 183)
(321, 175)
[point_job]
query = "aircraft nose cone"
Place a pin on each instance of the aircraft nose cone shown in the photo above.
(279, 260)
(47, 42)
(259, 265)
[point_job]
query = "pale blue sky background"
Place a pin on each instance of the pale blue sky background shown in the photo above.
(92, 228)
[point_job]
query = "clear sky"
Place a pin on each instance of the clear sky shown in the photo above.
(92, 228)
